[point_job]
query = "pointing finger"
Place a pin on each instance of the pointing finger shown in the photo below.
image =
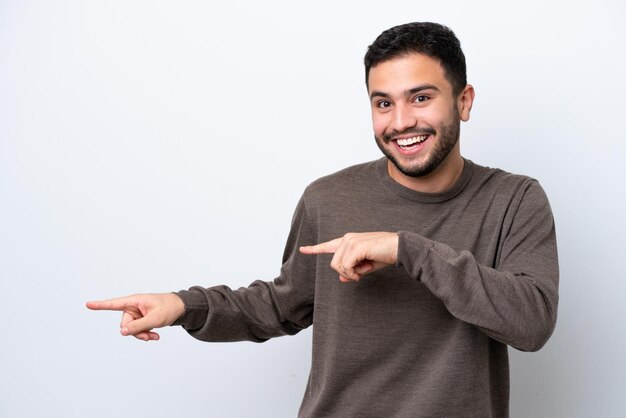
(327, 247)
(117, 304)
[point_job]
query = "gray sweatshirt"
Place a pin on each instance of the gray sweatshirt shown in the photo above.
(477, 270)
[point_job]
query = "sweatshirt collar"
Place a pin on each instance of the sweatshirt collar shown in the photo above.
(410, 194)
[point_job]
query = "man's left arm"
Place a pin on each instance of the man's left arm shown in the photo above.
(514, 303)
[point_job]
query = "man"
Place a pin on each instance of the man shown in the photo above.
(418, 320)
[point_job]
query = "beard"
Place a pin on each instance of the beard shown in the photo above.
(446, 140)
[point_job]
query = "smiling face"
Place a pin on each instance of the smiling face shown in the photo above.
(416, 117)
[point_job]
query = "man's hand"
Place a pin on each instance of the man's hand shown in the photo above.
(142, 313)
(357, 254)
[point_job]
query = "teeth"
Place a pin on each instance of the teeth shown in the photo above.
(405, 142)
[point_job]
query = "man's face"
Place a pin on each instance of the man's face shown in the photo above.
(414, 113)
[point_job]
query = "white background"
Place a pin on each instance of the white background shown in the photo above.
(148, 146)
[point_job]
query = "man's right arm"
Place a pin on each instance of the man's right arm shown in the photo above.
(219, 314)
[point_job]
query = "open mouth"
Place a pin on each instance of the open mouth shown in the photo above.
(411, 143)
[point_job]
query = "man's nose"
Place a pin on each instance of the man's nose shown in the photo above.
(403, 118)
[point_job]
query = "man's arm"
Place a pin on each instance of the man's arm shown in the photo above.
(514, 303)
(256, 313)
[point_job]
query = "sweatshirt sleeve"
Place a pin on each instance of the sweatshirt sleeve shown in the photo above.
(514, 303)
(264, 309)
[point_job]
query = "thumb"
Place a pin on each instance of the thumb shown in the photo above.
(145, 323)
(364, 267)
(368, 266)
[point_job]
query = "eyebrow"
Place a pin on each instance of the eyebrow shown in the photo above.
(409, 92)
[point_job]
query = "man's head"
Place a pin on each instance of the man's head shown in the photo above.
(426, 38)
(416, 81)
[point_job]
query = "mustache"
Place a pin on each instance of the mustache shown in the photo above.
(415, 131)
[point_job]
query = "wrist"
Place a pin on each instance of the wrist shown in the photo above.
(178, 307)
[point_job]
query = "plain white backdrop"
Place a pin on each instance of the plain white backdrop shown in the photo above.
(148, 146)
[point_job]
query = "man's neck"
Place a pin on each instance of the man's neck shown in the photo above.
(440, 180)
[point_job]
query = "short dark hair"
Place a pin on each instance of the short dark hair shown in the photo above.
(431, 39)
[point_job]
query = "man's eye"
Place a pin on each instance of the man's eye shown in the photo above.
(421, 98)
(383, 104)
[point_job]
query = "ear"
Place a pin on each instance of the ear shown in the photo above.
(465, 101)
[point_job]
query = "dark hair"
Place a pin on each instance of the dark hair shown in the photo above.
(431, 39)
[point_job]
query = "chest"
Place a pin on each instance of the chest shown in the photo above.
(478, 224)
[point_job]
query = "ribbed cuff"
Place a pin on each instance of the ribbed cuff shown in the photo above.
(413, 250)
(196, 309)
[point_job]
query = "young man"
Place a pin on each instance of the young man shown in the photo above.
(415, 320)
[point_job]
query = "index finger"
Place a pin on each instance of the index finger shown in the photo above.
(328, 247)
(116, 304)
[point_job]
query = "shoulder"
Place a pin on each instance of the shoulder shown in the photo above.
(347, 182)
(501, 181)
(508, 189)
